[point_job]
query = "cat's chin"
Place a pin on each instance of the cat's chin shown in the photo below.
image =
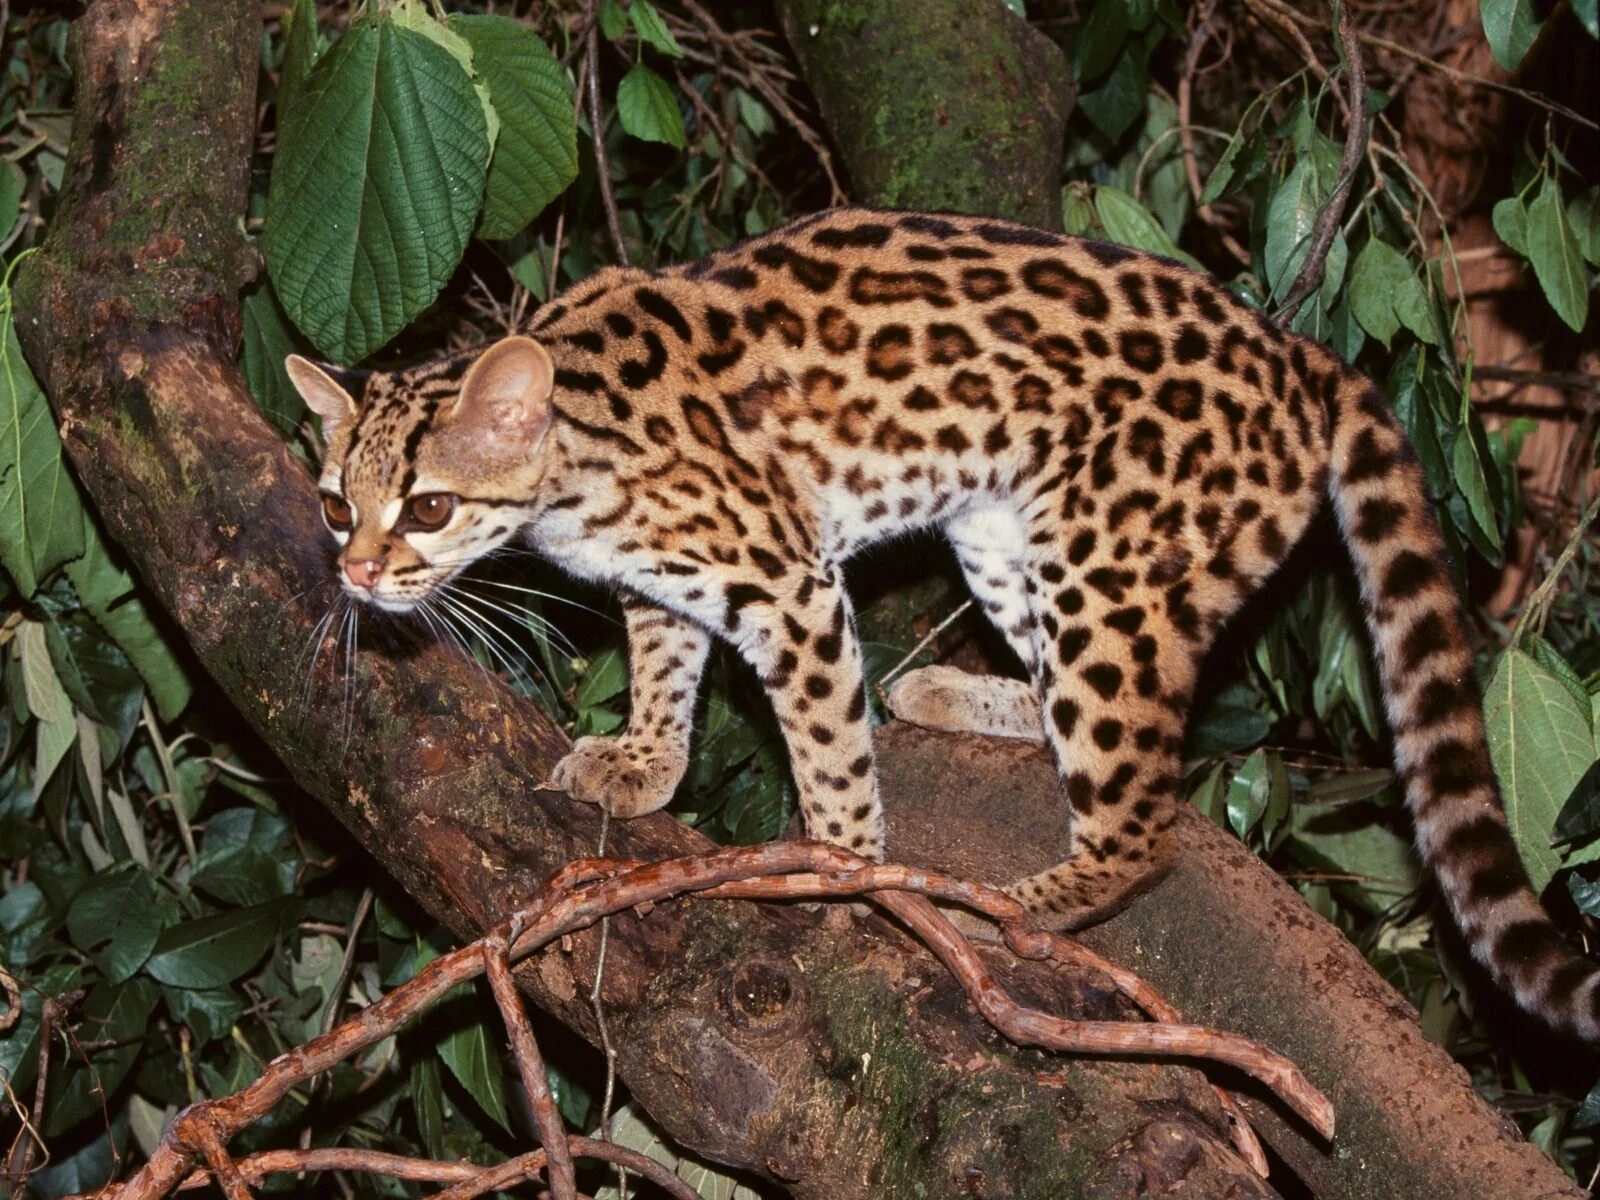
(390, 604)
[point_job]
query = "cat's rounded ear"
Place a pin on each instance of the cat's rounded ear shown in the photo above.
(506, 392)
(323, 394)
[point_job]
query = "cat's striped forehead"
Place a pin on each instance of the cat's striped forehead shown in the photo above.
(396, 410)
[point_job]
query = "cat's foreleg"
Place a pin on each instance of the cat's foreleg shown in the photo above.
(638, 772)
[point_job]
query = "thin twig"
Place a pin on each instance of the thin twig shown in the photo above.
(1200, 33)
(547, 1118)
(508, 1173)
(1538, 605)
(1431, 64)
(8, 984)
(773, 95)
(921, 646)
(597, 134)
(20, 1165)
(597, 1002)
(1355, 145)
(1567, 381)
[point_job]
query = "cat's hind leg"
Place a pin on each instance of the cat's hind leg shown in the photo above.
(1114, 680)
(991, 545)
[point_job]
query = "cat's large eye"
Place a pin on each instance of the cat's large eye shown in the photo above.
(337, 512)
(426, 513)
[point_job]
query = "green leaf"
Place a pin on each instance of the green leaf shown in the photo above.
(1588, 1114)
(427, 1103)
(1349, 787)
(1232, 720)
(1588, 13)
(47, 701)
(1116, 103)
(752, 113)
(471, 1056)
(1541, 742)
(12, 185)
(1352, 839)
(1127, 221)
(536, 155)
(1583, 214)
(208, 1013)
(300, 50)
(1557, 260)
(605, 677)
(1374, 280)
(652, 29)
(1580, 814)
(1510, 219)
(210, 951)
(122, 908)
(269, 338)
(376, 185)
(41, 517)
(107, 593)
(114, 689)
(1247, 793)
(1290, 217)
(1100, 40)
(613, 21)
(1511, 28)
(648, 108)
(246, 857)
(118, 1015)
(1467, 469)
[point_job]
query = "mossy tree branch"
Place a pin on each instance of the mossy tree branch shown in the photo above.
(824, 1053)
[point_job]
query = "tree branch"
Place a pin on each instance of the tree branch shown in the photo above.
(871, 1077)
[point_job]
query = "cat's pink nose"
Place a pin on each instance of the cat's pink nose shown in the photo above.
(364, 572)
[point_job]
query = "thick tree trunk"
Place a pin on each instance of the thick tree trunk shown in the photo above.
(939, 105)
(862, 1072)
(866, 1075)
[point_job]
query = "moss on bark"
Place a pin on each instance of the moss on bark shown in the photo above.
(939, 105)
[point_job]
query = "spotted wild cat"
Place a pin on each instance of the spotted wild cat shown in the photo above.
(1118, 450)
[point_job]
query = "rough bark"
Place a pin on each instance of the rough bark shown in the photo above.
(1234, 946)
(857, 1070)
(938, 105)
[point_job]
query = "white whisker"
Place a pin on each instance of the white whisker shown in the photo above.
(540, 625)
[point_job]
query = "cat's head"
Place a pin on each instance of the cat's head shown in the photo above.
(430, 467)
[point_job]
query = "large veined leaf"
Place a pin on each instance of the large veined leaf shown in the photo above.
(1541, 741)
(536, 155)
(377, 183)
(41, 517)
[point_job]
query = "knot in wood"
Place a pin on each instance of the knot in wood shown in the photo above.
(759, 996)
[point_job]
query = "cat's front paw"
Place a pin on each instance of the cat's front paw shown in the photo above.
(624, 777)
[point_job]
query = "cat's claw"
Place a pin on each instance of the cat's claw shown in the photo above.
(622, 777)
